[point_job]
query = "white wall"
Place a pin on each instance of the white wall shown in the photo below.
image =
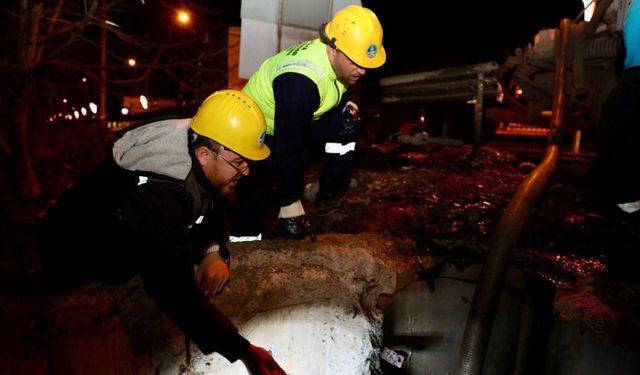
(269, 26)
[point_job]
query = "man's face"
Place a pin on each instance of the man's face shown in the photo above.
(346, 70)
(223, 169)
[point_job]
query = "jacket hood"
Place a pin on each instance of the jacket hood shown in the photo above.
(159, 147)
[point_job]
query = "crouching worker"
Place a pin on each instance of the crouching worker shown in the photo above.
(156, 209)
(302, 92)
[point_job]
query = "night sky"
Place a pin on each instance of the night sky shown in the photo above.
(430, 34)
(437, 34)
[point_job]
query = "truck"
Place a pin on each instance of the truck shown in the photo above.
(595, 54)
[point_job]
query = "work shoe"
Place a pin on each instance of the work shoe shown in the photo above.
(297, 228)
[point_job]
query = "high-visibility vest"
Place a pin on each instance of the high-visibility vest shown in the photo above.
(307, 58)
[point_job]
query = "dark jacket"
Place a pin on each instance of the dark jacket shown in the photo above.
(297, 98)
(117, 223)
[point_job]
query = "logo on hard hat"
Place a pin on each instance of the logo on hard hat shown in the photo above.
(372, 50)
(261, 138)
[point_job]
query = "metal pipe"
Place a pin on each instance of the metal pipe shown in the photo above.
(280, 22)
(578, 38)
(102, 83)
(448, 73)
(440, 92)
(477, 128)
(468, 86)
(485, 299)
(435, 97)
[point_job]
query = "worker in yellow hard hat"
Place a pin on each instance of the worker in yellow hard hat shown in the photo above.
(303, 93)
(155, 209)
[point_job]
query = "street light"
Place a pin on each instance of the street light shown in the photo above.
(183, 17)
(144, 102)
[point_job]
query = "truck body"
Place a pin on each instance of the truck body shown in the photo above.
(595, 60)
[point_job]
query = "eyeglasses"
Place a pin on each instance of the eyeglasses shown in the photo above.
(237, 165)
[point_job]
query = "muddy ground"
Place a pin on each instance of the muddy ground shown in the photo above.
(434, 200)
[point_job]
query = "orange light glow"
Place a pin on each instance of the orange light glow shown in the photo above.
(519, 91)
(183, 17)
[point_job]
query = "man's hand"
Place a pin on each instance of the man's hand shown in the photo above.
(259, 362)
(350, 121)
(212, 274)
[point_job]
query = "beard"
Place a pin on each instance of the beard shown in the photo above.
(228, 187)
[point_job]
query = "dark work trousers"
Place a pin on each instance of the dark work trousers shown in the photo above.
(258, 192)
(619, 140)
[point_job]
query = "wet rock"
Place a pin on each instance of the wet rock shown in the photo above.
(366, 267)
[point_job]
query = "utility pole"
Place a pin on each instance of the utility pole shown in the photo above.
(102, 106)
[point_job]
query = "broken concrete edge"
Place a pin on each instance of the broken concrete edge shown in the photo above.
(366, 267)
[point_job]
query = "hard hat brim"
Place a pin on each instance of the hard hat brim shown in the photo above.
(259, 154)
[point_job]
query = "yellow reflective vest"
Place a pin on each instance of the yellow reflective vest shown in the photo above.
(307, 58)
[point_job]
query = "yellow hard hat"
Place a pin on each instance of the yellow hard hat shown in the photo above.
(356, 32)
(235, 121)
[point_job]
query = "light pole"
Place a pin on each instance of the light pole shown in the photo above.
(102, 106)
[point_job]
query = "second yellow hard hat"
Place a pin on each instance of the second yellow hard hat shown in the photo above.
(357, 32)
